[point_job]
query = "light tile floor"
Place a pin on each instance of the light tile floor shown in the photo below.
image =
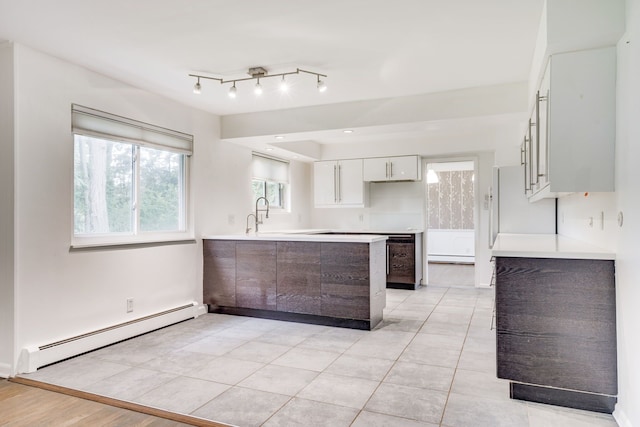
(431, 362)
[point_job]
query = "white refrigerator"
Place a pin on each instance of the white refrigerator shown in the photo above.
(510, 210)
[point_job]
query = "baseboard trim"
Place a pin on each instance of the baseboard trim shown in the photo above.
(123, 404)
(5, 370)
(621, 417)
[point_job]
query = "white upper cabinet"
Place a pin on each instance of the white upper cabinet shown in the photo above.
(338, 183)
(403, 168)
(571, 136)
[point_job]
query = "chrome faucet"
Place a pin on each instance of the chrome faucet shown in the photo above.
(249, 228)
(258, 219)
(266, 211)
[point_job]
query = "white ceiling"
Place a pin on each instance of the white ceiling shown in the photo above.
(368, 48)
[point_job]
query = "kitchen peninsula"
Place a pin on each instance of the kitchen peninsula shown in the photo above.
(328, 279)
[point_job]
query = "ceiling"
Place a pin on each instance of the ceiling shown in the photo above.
(369, 49)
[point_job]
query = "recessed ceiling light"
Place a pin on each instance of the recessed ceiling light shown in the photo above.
(269, 149)
(279, 137)
(348, 131)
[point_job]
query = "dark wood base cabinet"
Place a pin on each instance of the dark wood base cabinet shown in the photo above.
(338, 284)
(556, 331)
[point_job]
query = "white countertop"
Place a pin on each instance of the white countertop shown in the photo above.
(546, 246)
(301, 237)
(339, 230)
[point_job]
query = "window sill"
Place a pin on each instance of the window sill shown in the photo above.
(77, 247)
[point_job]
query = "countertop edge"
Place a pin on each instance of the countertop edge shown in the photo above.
(330, 238)
(547, 246)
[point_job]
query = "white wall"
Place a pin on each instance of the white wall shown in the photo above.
(6, 210)
(61, 293)
(578, 208)
(391, 206)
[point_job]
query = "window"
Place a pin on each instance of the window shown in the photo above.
(270, 180)
(129, 180)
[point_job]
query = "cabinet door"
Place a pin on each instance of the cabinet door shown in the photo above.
(298, 275)
(376, 169)
(401, 265)
(256, 275)
(345, 280)
(556, 323)
(324, 183)
(404, 168)
(350, 187)
(219, 278)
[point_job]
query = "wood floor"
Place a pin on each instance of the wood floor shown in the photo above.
(21, 405)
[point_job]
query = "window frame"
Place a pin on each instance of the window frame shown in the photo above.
(285, 185)
(282, 190)
(136, 236)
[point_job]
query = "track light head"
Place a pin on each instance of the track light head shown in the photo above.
(197, 89)
(258, 88)
(233, 91)
(322, 87)
(284, 87)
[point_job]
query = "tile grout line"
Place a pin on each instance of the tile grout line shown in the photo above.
(455, 371)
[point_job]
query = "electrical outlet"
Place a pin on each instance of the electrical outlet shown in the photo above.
(361, 217)
(129, 305)
(231, 219)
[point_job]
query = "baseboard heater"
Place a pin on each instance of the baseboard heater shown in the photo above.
(32, 358)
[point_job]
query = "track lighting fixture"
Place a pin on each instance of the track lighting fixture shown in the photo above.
(258, 73)
(197, 88)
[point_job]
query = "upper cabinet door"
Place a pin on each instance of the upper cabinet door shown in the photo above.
(403, 168)
(376, 169)
(350, 185)
(406, 168)
(324, 183)
(338, 183)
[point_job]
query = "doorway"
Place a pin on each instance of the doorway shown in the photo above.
(450, 220)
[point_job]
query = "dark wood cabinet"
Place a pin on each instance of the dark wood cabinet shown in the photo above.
(556, 330)
(256, 275)
(345, 280)
(401, 262)
(298, 284)
(219, 269)
(316, 282)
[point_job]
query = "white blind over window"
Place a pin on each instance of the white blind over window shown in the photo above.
(99, 124)
(270, 169)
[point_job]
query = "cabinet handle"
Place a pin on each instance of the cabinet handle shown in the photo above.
(545, 99)
(538, 175)
(531, 156)
(522, 155)
(339, 183)
(527, 148)
(390, 169)
(387, 259)
(335, 183)
(386, 169)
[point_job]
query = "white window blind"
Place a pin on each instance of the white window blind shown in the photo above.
(270, 169)
(95, 123)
